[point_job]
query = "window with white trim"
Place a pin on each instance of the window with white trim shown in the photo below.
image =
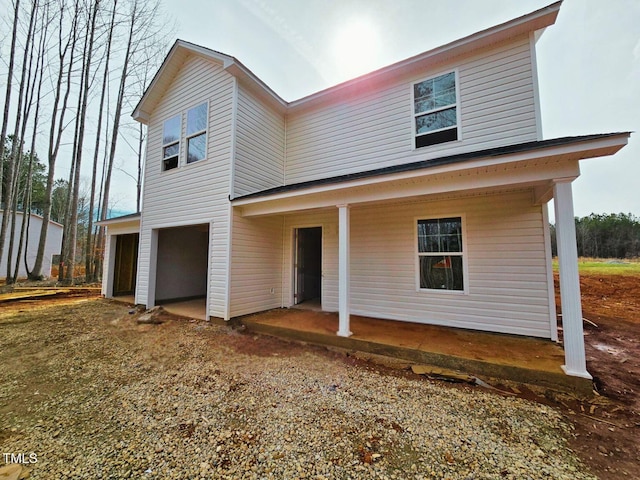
(435, 110)
(440, 254)
(197, 133)
(171, 143)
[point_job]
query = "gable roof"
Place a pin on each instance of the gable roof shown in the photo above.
(181, 50)
(174, 60)
(33, 214)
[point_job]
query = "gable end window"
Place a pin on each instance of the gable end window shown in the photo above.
(440, 254)
(435, 110)
(171, 143)
(197, 133)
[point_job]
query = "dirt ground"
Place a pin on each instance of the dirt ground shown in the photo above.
(606, 427)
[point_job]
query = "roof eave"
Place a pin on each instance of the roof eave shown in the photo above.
(142, 111)
(578, 148)
(243, 74)
(124, 219)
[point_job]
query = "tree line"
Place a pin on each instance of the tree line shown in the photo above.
(616, 235)
(74, 70)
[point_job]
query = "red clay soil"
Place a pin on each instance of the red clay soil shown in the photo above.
(607, 428)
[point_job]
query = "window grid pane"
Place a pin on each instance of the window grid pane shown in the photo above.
(197, 119)
(441, 272)
(196, 147)
(171, 130)
(436, 120)
(440, 255)
(440, 235)
(171, 150)
(435, 93)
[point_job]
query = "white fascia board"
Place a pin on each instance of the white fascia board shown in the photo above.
(121, 222)
(587, 149)
(238, 70)
(475, 180)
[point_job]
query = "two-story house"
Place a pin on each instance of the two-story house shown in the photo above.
(415, 193)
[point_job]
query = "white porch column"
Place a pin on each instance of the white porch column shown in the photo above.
(575, 362)
(343, 271)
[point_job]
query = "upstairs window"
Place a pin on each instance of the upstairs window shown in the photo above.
(197, 133)
(435, 110)
(171, 143)
(440, 254)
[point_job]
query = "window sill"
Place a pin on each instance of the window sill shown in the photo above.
(437, 291)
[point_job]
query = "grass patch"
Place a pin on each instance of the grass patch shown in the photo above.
(605, 266)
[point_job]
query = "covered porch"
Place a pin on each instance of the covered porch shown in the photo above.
(499, 198)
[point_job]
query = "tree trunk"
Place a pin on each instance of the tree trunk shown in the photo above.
(5, 123)
(13, 167)
(90, 252)
(40, 77)
(7, 98)
(57, 124)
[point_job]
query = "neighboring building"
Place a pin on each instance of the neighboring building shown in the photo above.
(52, 247)
(416, 193)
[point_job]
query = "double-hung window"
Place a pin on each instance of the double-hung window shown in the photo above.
(171, 143)
(440, 254)
(197, 133)
(435, 110)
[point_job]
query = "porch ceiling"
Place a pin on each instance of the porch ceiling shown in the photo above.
(534, 168)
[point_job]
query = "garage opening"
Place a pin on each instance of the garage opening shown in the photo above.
(182, 264)
(308, 266)
(126, 264)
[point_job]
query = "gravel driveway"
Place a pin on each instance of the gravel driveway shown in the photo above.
(89, 393)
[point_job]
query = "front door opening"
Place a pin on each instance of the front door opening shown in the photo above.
(308, 265)
(124, 279)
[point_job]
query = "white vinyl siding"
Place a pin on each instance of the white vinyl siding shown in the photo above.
(374, 129)
(196, 193)
(256, 263)
(260, 134)
(507, 276)
(52, 246)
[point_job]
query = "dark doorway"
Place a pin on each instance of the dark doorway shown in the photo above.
(124, 280)
(182, 263)
(308, 264)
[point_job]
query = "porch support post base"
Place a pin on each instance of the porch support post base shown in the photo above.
(575, 361)
(343, 271)
(575, 373)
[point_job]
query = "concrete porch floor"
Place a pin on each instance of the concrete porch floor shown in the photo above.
(486, 355)
(193, 308)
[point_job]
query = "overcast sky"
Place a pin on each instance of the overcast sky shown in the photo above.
(588, 62)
